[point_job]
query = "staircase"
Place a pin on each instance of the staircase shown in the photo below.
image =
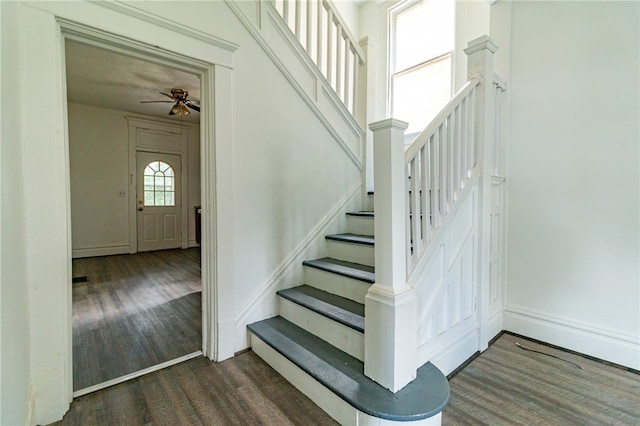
(433, 301)
(317, 342)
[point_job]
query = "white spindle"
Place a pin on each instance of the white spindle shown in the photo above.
(285, 11)
(309, 27)
(330, 45)
(415, 239)
(424, 198)
(339, 69)
(297, 17)
(348, 55)
(320, 35)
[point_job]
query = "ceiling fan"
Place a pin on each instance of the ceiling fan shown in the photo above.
(181, 103)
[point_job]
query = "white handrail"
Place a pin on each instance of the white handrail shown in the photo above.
(325, 36)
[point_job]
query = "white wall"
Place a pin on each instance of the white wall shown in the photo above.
(14, 306)
(98, 151)
(573, 209)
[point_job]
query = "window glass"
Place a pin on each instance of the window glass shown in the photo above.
(159, 184)
(422, 37)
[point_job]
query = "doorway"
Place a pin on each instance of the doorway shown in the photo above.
(137, 297)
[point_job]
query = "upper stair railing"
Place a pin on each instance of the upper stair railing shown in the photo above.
(322, 32)
(416, 191)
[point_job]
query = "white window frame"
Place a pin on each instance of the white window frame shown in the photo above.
(392, 13)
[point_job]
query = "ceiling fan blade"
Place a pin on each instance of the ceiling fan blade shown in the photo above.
(151, 102)
(167, 95)
(192, 106)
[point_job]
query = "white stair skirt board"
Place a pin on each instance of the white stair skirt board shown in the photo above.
(346, 287)
(342, 337)
(356, 253)
(338, 409)
(362, 225)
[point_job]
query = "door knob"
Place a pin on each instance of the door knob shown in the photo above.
(140, 209)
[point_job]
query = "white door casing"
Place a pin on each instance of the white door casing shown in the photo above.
(158, 200)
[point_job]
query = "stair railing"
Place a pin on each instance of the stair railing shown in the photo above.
(438, 164)
(322, 32)
(415, 192)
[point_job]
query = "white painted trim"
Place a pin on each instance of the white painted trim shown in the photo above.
(135, 374)
(30, 407)
(100, 251)
(584, 338)
(307, 63)
(294, 258)
(128, 9)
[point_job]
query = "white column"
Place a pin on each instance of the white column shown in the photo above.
(480, 64)
(390, 305)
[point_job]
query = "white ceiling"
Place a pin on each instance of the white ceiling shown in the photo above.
(111, 80)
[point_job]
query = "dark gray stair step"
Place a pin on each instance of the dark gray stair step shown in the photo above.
(344, 375)
(344, 311)
(361, 214)
(367, 240)
(341, 267)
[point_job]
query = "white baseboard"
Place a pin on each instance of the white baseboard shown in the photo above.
(604, 344)
(193, 243)
(100, 251)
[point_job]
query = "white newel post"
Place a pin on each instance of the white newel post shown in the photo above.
(480, 64)
(390, 356)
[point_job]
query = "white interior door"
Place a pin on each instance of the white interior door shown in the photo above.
(159, 201)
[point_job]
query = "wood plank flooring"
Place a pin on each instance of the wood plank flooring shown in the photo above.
(503, 386)
(510, 386)
(133, 312)
(243, 390)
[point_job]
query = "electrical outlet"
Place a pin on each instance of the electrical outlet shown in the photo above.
(122, 193)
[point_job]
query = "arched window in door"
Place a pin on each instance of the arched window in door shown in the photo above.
(159, 184)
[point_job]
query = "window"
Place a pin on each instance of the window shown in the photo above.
(159, 184)
(421, 60)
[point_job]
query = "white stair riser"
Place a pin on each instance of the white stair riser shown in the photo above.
(342, 337)
(361, 225)
(356, 253)
(336, 407)
(346, 287)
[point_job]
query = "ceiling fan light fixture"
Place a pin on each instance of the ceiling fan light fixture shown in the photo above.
(179, 109)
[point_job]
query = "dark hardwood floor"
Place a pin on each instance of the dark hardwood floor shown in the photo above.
(133, 312)
(507, 385)
(503, 386)
(243, 390)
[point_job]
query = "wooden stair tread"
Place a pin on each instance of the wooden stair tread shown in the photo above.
(342, 267)
(344, 311)
(344, 375)
(367, 240)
